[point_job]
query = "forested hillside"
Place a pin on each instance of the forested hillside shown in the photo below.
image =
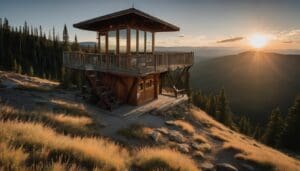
(255, 83)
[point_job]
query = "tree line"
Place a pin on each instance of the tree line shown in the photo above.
(279, 132)
(27, 50)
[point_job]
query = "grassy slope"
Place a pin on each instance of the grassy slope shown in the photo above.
(65, 138)
(254, 82)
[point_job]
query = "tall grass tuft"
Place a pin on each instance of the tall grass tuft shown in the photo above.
(163, 159)
(87, 152)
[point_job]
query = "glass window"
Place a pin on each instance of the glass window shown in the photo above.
(112, 41)
(141, 86)
(149, 83)
(148, 42)
(141, 41)
(102, 44)
(123, 41)
(133, 40)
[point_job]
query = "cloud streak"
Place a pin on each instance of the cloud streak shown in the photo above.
(235, 39)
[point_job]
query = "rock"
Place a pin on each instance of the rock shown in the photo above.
(205, 147)
(207, 166)
(225, 167)
(198, 154)
(156, 136)
(163, 130)
(196, 146)
(169, 122)
(176, 136)
(247, 167)
(185, 148)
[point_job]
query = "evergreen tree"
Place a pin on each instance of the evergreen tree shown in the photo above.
(272, 135)
(290, 137)
(223, 111)
(75, 45)
(66, 39)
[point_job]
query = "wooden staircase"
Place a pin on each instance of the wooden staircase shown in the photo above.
(106, 98)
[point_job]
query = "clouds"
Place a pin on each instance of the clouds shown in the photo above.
(288, 36)
(235, 39)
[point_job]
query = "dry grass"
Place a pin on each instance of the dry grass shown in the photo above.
(135, 131)
(61, 122)
(165, 159)
(89, 152)
(76, 121)
(247, 148)
(185, 126)
(11, 158)
(69, 107)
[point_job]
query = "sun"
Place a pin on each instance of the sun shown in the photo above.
(258, 41)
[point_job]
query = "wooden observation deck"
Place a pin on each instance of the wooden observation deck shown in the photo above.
(127, 69)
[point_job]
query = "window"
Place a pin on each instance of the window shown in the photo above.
(133, 40)
(149, 83)
(123, 41)
(112, 41)
(148, 42)
(102, 44)
(141, 41)
(141, 86)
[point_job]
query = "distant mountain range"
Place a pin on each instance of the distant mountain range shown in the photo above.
(255, 82)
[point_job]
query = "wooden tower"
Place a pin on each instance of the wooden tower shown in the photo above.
(128, 69)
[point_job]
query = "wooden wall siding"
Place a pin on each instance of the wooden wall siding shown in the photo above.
(129, 64)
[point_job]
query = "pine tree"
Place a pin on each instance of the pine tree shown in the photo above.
(290, 136)
(223, 111)
(211, 105)
(66, 39)
(272, 135)
(75, 45)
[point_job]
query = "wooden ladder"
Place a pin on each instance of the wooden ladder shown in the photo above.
(106, 98)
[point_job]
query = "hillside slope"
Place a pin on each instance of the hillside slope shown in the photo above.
(43, 127)
(255, 82)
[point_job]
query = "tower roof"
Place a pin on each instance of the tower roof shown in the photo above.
(127, 18)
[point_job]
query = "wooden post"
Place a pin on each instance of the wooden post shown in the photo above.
(106, 49)
(145, 41)
(153, 42)
(99, 45)
(137, 40)
(116, 60)
(128, 41)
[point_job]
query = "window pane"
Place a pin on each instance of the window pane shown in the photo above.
(123, 41)
(102, 44)
(141, 41)
(149, 42)
(112, 41)
(132, 40)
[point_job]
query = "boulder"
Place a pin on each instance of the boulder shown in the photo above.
(198, 154)
(156, 136)
(207, 166)
(205, 147)
(225, 167)
(185, 148)
(169, 122)
(247, 167)
(176, 136)
(163, 130)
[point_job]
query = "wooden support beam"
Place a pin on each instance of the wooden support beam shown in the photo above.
(153, 42)
(130, 92)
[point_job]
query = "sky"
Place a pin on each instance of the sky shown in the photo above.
(205, 23)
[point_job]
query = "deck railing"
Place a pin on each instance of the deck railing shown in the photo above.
(132, 64)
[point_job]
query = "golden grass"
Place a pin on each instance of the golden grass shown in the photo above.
(185, 126)
(157, 158)
(97, 152)
(247, 148)
(70, 107)
(11, 158)
(135, 131)
(77, 121)
(76, 125)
